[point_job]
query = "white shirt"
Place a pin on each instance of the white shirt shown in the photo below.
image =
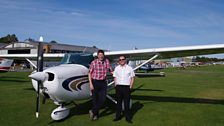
(123, 74)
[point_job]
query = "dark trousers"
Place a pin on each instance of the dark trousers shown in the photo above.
(123, 93)
(98, 95)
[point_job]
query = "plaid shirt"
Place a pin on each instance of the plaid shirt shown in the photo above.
(98, 69)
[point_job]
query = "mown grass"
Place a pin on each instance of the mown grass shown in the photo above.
(190, 97)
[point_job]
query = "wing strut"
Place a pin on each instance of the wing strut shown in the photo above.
(147, 61)
(112, 99)
(31, 63)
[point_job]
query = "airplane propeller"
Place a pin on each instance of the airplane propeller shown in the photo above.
(39, 69)
(41, 76)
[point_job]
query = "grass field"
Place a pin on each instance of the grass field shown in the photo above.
(190, 97)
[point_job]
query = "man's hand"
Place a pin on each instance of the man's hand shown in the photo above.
(132, 83)
(131, 86)
(90, 82)
(91, 87)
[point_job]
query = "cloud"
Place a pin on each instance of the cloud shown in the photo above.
(36, 7)
(147, 25)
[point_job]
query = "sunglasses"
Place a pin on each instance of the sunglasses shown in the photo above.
(121, 59)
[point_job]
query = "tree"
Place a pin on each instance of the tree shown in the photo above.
(9, 39)
(29, 40)
(53, 41)
(206, 59)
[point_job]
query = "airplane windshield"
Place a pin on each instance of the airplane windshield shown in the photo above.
(82, 59)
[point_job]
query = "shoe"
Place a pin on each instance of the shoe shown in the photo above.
(129, 121)
(117, 119)
(91, 114)
(94, 118)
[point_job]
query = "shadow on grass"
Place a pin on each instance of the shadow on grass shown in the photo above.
(79, 109)
(29, 89)
(10, 77)
(146, 90)
(111, 109)
(178, 99)
(108, 109)
(13, 80)
(135, 108)
(83, 109)
(139, 88)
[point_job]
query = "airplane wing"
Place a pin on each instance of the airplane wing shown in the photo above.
(141, 54)
(33, 56)
(169, 52)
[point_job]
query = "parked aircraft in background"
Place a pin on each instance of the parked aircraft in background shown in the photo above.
(5, 64)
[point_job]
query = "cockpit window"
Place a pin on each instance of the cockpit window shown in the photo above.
(83, 59)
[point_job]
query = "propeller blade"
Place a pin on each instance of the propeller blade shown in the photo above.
(39, 69)
(38, 100)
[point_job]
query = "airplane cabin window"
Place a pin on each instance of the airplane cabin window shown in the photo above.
(83, 59)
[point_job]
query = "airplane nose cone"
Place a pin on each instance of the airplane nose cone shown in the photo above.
(39, 76)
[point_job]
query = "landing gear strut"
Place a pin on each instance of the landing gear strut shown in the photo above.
(114, 101)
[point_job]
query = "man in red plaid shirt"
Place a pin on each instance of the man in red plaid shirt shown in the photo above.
(97, 82)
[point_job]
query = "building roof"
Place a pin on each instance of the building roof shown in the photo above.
(59, 46)
(2, 45)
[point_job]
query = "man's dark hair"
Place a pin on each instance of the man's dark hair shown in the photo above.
(100, 51)
(122, 56)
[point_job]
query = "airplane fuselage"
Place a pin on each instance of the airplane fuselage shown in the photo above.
(65, 83)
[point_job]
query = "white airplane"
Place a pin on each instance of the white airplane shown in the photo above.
(68, 82)
(5, 64)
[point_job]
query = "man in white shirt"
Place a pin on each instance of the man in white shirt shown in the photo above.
(124, 80)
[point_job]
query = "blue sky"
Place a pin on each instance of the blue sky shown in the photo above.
(116, 24)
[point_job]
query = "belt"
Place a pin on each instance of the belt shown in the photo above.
(123, 85)
(98, 80)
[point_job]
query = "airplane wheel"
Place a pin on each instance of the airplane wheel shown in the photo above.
(60, 113)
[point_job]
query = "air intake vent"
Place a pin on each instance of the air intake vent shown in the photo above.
(51, 76)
